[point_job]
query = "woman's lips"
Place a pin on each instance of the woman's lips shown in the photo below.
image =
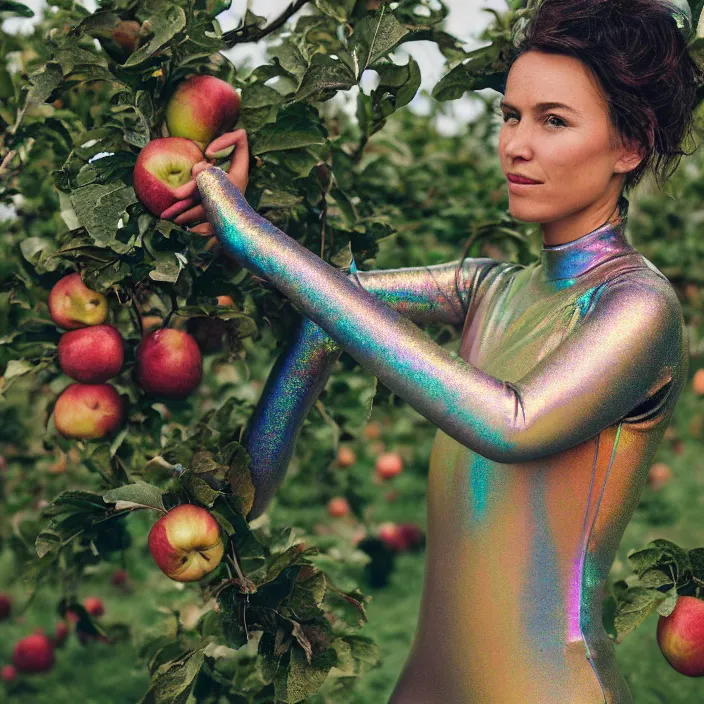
(522, 180)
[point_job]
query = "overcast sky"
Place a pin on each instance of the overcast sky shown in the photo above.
(466, 21)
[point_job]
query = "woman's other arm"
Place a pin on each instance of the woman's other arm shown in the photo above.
(421, 294)
(630, 341)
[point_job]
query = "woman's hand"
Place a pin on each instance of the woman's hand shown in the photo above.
(186, 210)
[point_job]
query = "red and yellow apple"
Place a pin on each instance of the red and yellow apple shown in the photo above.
(338, 507)
(169, 363)
(681, 636)
(163, 166)
(91, 355)
(388, 465)
(73, 305)
(202, 108)
(186, 543)
(659, 475)
(345, 456)
(94, 606)
(88, 411)
(33, 654)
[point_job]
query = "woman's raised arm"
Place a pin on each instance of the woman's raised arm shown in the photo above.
(630, 341)
(422, 294)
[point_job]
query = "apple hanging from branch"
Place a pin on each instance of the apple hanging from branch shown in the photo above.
(85, 411)
(201, 108)
(91, 355)
(73, 305)
(186, 543)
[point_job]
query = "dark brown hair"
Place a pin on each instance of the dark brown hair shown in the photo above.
(638, 51)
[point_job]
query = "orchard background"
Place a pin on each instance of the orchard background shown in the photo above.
(330, 601)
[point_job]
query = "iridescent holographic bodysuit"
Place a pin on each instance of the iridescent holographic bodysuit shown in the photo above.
(568, 373)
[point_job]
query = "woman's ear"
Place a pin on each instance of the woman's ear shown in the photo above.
(632, 154)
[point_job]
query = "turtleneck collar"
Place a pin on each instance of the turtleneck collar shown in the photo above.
(569, 260)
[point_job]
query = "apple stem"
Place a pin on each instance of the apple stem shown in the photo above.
(174, 305)
(137, 316)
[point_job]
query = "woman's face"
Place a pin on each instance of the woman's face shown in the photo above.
(569, 149)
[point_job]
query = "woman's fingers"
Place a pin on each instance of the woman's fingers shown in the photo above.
(188, 190)
(178, 207)
(238, 173)
(196, 214)
(205, 229)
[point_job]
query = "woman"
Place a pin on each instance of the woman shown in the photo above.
(568, 374)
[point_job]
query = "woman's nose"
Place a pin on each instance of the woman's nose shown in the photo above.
(517, 141)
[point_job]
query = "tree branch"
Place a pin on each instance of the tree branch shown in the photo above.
(242, 35)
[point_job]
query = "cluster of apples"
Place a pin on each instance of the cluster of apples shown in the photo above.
(201, 108)
(34, 653)
(91, 353)
(169, 362)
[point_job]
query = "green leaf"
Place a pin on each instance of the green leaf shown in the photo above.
(374, 38)
(398, 85)
(17, 367)
(198, 489)
(44, 82)
(99, 208)
(169, 21)
(634, 606)
(295, 127)
(323, 79)
(481, 69)
(240, 480)
(174, 681)
(135, 496)
(9, 8)
(300, 679)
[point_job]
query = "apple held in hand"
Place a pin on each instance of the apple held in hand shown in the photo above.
(202, 108)
(89, 411)
(163, 166)
(91, 355)
(73, 305)
(681, 636)
(169, 363)
(186, 543)
(33, 654)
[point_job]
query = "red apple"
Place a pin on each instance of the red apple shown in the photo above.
(202, 108)
(372, 430)
(61, 634)
(94, 606)
(338, 507)
(8, 673)
(388, 465)
(126, 35)
(163, 166)
(73, 305)
(186, 543)
(391, 534)
(34, 653)
(681, 636)
(659, 475)
(91, 355)
(411, 534)
(169, 363)
(89, 411)
(698, 382)
(345, 456)
(119, 578)
(5, 606)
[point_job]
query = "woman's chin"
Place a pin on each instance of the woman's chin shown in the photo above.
(525, 211)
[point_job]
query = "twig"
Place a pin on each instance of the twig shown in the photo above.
(8, 157)
(240, 35)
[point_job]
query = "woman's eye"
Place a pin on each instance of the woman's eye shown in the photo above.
(561, 123)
